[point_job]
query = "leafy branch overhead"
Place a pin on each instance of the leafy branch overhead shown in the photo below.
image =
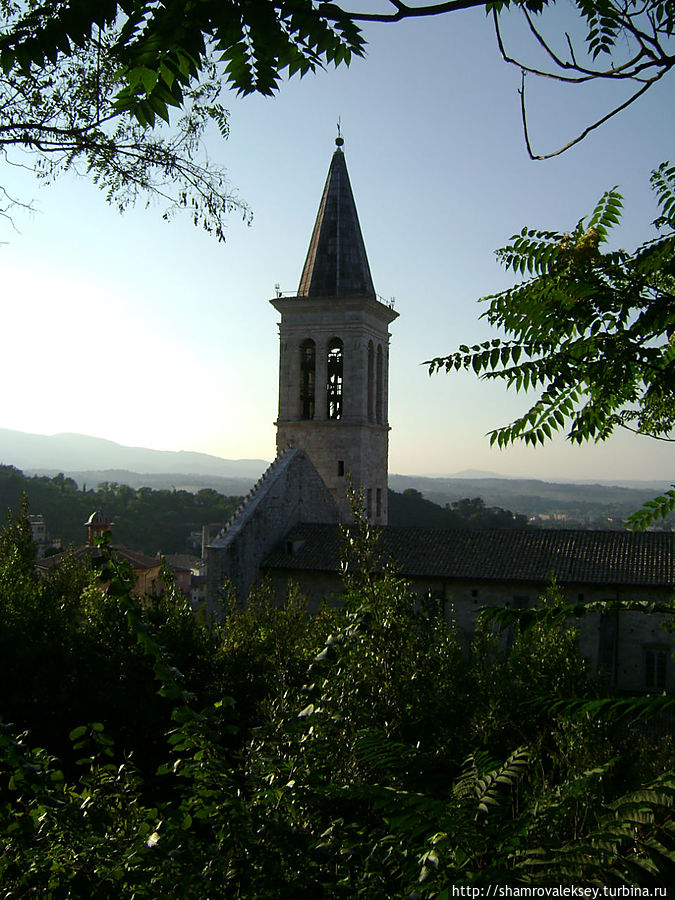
(85, 82)
(89, 87)
(591, 331)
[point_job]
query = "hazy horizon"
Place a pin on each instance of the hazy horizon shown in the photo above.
(470, 473)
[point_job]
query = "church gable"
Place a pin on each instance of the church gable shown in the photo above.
(290, 491)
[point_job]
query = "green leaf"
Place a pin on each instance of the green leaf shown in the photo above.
(78, 732)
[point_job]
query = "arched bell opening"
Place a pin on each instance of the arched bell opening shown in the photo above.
(334, 378)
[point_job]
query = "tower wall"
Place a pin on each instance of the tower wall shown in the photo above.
(355, 445)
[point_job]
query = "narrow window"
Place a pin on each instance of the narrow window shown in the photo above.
(655, 669)
(334, 379)
(379, 398)
(307, 378)
(607, 636)
(371, 382)
(341, 468)
(378, 503)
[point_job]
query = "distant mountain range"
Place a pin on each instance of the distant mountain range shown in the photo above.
(90, 461)
(80, 453)
(479, 474)
(533, 497)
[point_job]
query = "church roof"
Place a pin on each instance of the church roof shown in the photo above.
(528, 554)
(336, 264)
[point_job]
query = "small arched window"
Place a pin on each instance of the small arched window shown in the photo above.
(379, 387)
(371, 382)
(307, 378)
(334, 366)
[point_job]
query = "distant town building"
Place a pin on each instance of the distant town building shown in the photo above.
(97, 525)
(44, 543)
(146, 569)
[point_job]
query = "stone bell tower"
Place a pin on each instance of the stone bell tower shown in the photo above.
(334, 356)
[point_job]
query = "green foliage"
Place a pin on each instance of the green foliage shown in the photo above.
(591, 332)
(60, 71)
(163, 48)
(653, 509)
(397, 761)
(91, 85)
(144, 519)
(410, 508)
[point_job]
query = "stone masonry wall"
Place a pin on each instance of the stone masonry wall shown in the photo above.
(289, 492)
(617, 642)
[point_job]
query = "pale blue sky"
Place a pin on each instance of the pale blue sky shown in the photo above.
(154, 335)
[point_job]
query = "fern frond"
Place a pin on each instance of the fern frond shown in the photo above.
(607, 213)
(663, 183)
(493, 788)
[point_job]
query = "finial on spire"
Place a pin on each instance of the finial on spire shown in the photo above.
(339, 140)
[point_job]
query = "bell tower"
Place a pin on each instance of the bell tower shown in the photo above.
(334, 356)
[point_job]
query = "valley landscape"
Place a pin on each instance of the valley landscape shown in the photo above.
(92, 461)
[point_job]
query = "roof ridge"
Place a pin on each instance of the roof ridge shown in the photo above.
(573, 556)
(245, 509)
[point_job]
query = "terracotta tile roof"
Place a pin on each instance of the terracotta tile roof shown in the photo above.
(137, 560)
(573, 557)
(184, 562)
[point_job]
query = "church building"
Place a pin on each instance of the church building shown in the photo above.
(332, 426)
(333, 431)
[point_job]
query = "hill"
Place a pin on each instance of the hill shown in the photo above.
(565, 503)
(91, 461)
(158, 481)
(50, 454)
(145, 520)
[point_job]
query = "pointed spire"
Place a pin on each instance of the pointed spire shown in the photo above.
(336, 264)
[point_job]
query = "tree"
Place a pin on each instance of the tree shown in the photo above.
(85, 84)
(84, 87)
(592, 331)
(58, 103)
(365, 752)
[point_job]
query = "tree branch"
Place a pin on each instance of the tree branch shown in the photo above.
(650, 434)
(403, 11)
(630, 70)
(583, 134)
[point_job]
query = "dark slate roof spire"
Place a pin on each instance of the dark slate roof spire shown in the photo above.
(336, 264)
